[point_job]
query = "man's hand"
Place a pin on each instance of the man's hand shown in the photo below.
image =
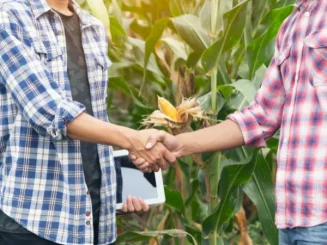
(156, 140)
(146, 145)
(134, 204)
(110, 134)
(223, 136)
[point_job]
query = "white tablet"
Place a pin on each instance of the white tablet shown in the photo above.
(131, 181)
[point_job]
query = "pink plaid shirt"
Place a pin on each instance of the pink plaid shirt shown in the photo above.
(293, 98)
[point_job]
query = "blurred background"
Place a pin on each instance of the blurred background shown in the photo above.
(216, 51)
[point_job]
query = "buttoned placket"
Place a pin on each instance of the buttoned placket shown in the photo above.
(304, 22)
(304, 17)
(61, 39)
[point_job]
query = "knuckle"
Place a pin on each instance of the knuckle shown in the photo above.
(161, 132)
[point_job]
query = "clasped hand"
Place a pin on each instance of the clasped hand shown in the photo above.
(151, 149)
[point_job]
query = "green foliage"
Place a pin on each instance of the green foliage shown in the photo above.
(261, 191)
(225, 46)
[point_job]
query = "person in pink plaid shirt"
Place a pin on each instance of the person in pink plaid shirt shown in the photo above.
(292, 98)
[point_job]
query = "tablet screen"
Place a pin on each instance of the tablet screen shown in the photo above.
(131, 181)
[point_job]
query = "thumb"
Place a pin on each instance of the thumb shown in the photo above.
(154, 139)
(176, 154)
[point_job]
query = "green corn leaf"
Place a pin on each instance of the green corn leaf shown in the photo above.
(176, 46)
(260, 190)
(116, 28)
(120, 84)
(190, 30)
(146, 235)
(151, 41)
(261, 49)
(175, 8)
(235, 19)
(174, 199)
(232, 178)
(99, 10)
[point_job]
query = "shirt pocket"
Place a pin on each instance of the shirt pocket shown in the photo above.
(282, 59)
(46, 53)
(316, 61)
(99, 82)
(51, 56)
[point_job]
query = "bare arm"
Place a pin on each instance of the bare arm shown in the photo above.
(222, 136)
(87, 128)
(100, 132)
(251, 126)
(39, 99)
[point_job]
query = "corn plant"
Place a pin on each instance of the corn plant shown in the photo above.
(213, 53)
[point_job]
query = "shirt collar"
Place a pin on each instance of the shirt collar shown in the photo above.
(85, 18)
(303, 1)
(300, 3)
(40, 7)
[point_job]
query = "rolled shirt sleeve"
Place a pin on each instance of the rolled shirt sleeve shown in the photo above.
(30, 84)
(262, 118)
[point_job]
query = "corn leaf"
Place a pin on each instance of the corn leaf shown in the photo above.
(190, 30)
(99, 10)
(260, 190)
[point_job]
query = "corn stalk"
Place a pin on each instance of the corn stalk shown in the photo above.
(214, 166)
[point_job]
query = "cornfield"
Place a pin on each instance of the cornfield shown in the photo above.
(212, 54)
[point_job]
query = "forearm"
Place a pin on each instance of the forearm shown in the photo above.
(87, 128)
(222, 136)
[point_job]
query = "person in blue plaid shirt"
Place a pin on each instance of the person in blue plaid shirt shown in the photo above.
(57, 173)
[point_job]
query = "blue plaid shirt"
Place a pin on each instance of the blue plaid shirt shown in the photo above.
(42, 184)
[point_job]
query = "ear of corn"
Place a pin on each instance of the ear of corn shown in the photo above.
(179, 117)
(168, 109)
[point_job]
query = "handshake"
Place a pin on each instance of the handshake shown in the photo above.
(153, 149)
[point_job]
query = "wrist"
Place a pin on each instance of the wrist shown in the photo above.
(127, 137)
(183, 147)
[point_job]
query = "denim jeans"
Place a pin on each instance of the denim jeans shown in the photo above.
(315, 235)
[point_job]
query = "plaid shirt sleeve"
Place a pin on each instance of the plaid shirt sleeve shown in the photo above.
(262, 118)
(30, 84)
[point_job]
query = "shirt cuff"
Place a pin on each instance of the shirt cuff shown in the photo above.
(251, 130)
(66, 112)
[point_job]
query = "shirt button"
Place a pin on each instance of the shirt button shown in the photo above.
(306, 14)
(88, 193)
(88, 222)
(87, 213)
(59, 32)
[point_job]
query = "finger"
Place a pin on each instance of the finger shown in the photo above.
(155, 168)
(139, 161)
(176, 154)
(148, 169)
(144, 206)
(130, 206)
(124, 208)
(162, 164)
(132, 157)
(136, 204)
(144, 168)
(158, 137)
(169, 156)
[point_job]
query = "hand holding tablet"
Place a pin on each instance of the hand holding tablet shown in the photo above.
(133, 182)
